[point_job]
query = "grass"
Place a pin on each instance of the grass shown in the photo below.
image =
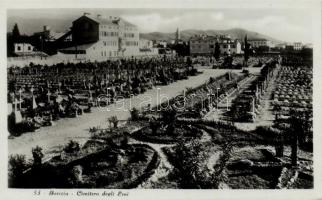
(250, 181)
(249, 153)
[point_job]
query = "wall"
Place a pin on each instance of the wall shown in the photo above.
(23, 48)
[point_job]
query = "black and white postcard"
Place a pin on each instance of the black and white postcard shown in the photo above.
(161, 99)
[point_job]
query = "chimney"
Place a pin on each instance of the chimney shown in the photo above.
(99, 16)
(46, 28)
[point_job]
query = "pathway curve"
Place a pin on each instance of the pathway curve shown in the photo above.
(164, 167)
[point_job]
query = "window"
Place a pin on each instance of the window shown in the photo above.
(29, 48)
(211, 46)
(19, 48)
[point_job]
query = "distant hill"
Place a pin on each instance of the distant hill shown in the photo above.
(235, 33)
(30, 25)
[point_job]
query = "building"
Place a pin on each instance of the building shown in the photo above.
(49, 35)
(177, 35)
(289, 47)
(101, 38)
(298, 46)
(205, 45)
(23, 48)
(228, 45)
(161, 44)
(256, 43)
(145, 44)
(178, 39)
(146, 48)
(308, 46)
(280, 46)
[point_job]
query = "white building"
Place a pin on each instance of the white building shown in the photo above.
(23, 48)
(255, 43)
(145, 44)
(298, 46)
(204, 44)
(231, 47)
(102, 38)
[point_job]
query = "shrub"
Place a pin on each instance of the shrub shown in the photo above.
(37, 155)
(113, 120)
(72, 147)
(17, 165)
(135, 114)
(191, 158)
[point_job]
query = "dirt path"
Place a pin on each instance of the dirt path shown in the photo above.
(223, 106)
(164, 167)
(266, 115)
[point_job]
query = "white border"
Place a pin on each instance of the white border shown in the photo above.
(312, 6)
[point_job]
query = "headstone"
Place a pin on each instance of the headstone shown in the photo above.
(18, 117)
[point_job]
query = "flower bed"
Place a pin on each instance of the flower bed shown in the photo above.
(112, 167)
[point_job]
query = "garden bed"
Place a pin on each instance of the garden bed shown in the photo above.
(161, 137)
(113, 167)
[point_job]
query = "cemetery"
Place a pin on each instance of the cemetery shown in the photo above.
(171, 145)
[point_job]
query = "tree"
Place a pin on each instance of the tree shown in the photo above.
(15, 31)
(17, 165)
(169, 118)
(37, 155)
(113, 120)
(217, 51)
(154, 125)
(135, 114)
(296, 133)
(246, 51)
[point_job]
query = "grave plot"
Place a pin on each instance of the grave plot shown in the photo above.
(247, 104)
(196, 102)
(165, 129)
(294, 88)
(40, 94)
(293, 101)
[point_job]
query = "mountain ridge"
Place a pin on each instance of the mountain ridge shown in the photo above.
(29, 26)
(235, 33)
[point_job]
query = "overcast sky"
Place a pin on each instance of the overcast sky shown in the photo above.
(285, 24)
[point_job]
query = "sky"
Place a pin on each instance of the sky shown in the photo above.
(288, 25)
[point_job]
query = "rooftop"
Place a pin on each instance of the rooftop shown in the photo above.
(111, 20)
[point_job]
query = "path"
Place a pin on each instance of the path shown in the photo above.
(52, 138)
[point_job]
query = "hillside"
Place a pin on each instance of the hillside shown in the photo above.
(29, 26)
(186, 34)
